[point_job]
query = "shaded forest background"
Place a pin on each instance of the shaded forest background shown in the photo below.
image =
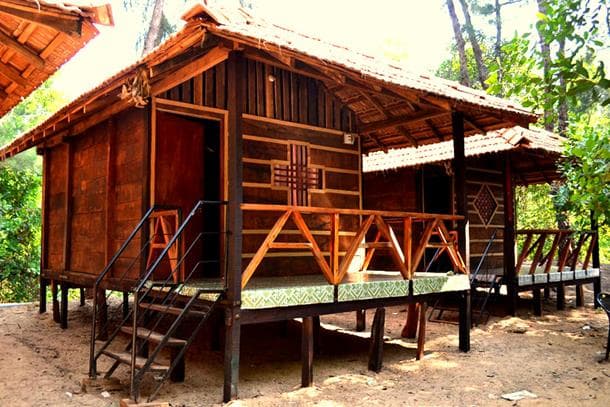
(555, 68)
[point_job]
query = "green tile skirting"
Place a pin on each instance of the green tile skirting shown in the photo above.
(273, 292)
(555, 276)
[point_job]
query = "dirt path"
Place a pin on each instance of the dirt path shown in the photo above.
(554, 356)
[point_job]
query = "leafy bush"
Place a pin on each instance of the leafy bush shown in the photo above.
(20, 218)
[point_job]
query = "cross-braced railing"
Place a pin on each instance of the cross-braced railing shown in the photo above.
(546, 250)
(334, 263)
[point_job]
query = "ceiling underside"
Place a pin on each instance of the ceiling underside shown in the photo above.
(36, 38)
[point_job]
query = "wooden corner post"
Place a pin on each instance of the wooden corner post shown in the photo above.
(235, 71)
(509, 235)
(459, 179)
(461, 201)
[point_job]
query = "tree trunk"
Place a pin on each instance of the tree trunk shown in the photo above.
(498, 45)
(152, 36)
(545, 50)
(562, 110)
(461, 44)
(476, 47)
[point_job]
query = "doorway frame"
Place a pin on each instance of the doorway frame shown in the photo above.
(199, 112)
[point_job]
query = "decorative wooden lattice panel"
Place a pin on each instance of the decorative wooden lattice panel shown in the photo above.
(485, 204)
(297, 175)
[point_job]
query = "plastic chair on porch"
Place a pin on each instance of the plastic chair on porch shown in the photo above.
(603, 299)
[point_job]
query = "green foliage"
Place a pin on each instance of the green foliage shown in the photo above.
(534, 207)
(571, 29)
(587, 168)
(20, 200)
(19, 233)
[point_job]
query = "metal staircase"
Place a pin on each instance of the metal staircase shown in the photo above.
(163, 299)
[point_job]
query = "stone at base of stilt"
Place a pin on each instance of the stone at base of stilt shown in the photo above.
(89, 385)
(131, 403)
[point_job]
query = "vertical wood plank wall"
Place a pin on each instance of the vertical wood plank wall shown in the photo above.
(269, 92)
(485, 173)
(90, 238)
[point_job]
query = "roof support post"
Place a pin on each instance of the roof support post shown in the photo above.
(509, 234)
(459, 182)
(235, 72)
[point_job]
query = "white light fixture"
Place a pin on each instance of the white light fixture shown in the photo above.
(349, 138)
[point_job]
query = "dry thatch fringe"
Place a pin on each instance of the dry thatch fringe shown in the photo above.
(137, 89)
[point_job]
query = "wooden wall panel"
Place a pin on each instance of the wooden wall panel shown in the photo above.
(267, 144)
(481, 174)
(394, 190)
(56, 184)
(90, 242)
(287, 96)
(130, 165)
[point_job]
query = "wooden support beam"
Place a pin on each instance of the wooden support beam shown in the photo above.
(64, 306)
(421, 332)
(561, 297)
(213, 57)
(537, 300)
(235, 65)
(307, 351)
(64, 22)
(508, 240)
(459, 180)
(376, 345)
(13, 74)
(125, 304)
(580, 295)
(409, 331)
(12, 43)
(360, 320)
(55, 302)
(401, 120)
(465, 321)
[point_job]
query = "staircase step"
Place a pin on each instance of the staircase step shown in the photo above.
(171, 310)
(153, 336)
(125, 357)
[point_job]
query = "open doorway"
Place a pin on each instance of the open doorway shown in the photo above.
(187, 168)
(437, 198)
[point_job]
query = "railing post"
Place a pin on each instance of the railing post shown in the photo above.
(407, 243)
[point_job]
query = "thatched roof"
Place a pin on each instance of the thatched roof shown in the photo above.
(394, 108)
(39, 36)
(545, 145)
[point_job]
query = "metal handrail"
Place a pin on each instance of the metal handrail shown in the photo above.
(107, 268)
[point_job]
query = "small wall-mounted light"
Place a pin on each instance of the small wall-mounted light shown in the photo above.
(349, 138)
(271, 78)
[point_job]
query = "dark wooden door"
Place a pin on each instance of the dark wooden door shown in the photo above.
(180, 179)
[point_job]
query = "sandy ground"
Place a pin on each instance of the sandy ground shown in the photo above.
(556, 357)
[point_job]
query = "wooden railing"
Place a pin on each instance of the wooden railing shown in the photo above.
(544, 248)
(407, 257)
